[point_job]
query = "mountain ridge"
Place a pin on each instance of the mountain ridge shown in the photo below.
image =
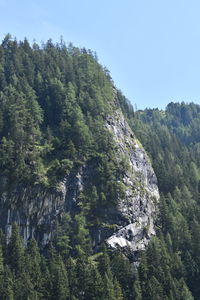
(63, 137)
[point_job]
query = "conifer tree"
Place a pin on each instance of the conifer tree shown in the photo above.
(16, 251)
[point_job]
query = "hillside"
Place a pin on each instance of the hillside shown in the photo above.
(80, 211)
(172, 138)
(73, 177)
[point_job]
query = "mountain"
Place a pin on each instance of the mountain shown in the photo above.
(96, 201)
(62, 128)
(73, 174)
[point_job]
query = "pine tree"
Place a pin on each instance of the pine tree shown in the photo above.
(59, 279)
(72, 277)
(8, 285)
(118, 291)
(137, 292)
(1, 271)
(108, 291)
(185, 294)
(16, 251)
(33, 262)
(154, 289)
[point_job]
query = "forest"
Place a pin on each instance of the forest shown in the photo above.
(53, 104)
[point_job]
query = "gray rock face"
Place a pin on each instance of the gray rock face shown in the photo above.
(36, 210)
(139, 206)
(131, 223)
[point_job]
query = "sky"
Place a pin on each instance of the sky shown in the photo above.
(151, 47)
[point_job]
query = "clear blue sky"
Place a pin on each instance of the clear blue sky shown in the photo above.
(151, 47)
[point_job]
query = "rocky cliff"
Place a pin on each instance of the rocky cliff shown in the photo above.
(139, 206)
(130, 222)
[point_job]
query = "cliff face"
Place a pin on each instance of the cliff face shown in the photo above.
(131, 221)
(139, 205)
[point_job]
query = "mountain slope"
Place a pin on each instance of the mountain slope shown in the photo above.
(72, 176)
(62, 123)
(170, 267)
(139, 204)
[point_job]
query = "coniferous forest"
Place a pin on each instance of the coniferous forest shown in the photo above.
(54, 99)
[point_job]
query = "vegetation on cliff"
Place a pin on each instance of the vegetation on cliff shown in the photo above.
(53, 104)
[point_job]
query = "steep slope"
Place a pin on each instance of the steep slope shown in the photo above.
(170, 266)
(67, 148)
(139, 204)
(36, 209)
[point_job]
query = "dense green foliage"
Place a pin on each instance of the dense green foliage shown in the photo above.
(54, 100)
(53, 103)
(27, 274)
(171, 266)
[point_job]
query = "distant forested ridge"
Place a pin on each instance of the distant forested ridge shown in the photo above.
(171, 265)
(53, 104)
